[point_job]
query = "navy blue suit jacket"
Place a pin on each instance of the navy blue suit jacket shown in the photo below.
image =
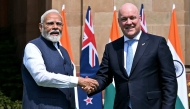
(152, 82)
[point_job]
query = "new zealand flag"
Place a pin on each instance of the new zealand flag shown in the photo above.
(89, 65)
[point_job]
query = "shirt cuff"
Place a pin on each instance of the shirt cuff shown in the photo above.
(74, 81)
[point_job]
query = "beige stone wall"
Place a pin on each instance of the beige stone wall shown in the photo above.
(158, 15)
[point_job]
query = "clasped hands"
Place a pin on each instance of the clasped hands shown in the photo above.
(89, 85)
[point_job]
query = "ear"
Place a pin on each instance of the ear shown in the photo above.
(118, 20)
(40, 27)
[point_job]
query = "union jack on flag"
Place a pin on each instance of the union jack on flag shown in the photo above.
(88, 39)
(143, 19)
(89, 65)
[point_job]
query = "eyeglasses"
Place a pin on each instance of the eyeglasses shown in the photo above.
(50, 24)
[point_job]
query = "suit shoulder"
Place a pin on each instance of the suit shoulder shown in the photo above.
(117, 41)
(154, 36)
(34, 40)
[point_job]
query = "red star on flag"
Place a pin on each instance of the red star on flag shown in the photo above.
(88, 100)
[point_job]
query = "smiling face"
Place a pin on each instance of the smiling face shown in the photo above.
(129, 20)
(51, 28)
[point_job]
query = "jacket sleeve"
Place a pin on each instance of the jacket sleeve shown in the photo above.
(168, 76)
(104, 76)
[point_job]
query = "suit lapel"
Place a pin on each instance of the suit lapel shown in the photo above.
(142, 45)
(120, 55)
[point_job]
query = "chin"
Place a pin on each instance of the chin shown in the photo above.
(130, 33)
(53, 38)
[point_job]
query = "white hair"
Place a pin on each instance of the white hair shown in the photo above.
(47, 12)
(47, 35)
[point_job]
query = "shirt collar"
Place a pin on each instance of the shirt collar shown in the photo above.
(56, 44)
(137, 37)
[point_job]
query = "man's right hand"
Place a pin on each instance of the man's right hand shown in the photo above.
(87, 84)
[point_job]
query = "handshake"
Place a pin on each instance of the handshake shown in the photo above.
(87, 84)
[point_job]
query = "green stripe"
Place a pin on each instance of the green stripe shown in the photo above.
(179, 104)
(109, 97)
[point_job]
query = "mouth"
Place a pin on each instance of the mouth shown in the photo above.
(129, 27)
(54, 33)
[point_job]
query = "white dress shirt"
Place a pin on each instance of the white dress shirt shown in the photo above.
(34, 63)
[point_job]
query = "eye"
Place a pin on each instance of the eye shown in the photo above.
(59, 24)
(49, 23)
(132, 17)
(123, 19)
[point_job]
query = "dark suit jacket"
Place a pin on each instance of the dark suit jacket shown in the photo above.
(152, 82)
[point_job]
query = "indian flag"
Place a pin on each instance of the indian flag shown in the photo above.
(175, 47)
(109, 94)
(65, 42)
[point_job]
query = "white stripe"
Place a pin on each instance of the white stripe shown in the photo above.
(90, 27)
(90, 47)
(75, 88)
(182, 87)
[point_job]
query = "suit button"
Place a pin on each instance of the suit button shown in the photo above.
(66, 73)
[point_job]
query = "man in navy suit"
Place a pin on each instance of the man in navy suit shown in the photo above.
(151, 81)
(47, 71)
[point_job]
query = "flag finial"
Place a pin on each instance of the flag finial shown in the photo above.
(63, 7)
(114, 8)
(173, 6)
(142, 6)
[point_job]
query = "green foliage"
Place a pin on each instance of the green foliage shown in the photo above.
(6, 103)
(10, 65)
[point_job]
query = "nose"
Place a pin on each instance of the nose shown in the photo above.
(54, 25)
(129, 21)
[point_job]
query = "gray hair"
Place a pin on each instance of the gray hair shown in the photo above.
(49, 11)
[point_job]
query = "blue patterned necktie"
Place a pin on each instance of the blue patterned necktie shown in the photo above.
(129, 59)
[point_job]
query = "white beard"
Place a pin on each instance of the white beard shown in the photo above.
(50, 37)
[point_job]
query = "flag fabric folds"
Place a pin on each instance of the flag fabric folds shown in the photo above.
(109, 94)
(176, 50)
(143, 19)
(114, 33)
(89, 65)
(65, 42)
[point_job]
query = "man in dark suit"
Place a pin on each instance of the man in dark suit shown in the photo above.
(47, 71)
(150, 81)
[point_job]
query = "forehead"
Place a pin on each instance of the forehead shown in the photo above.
(128, 11)
(53, 17)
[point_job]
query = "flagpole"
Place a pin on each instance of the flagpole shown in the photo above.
(70, 54)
